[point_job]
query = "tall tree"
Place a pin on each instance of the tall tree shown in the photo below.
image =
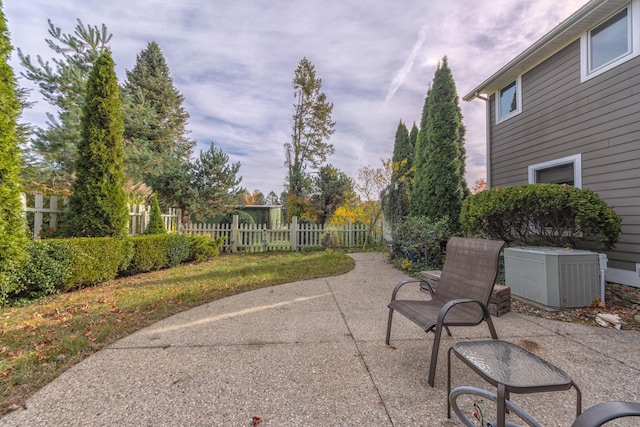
(312, 126)
(402, 153)
(272, 199)
(98, 204)
(371, 184)
(332, 187)
(13, 239)
(158, 149)
(53, 150)
(213, 183)
(439, 186)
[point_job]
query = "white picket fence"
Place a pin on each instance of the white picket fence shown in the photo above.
(47, 210)
(238, 237)
(294, 236)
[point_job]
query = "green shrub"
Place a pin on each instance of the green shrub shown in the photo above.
(177, 247)
(414, 233)
(204, 248)
(542, 215)
(149, 253)
(48, 268)
(243, 218)
(94, 260)
(156, 224)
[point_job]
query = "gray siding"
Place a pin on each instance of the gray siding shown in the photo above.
(599, 119)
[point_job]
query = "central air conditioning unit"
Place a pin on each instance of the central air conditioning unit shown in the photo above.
(552, 277)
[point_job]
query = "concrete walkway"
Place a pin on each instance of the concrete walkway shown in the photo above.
(312, 353)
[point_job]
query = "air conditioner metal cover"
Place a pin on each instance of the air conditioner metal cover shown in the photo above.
(553, 277)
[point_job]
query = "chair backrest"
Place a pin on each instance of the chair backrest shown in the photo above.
(470, 269)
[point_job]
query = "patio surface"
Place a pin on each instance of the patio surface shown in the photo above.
(312, 353)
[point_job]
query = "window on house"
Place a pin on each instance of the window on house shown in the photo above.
(509, 101)
(610, 43)
(567, 170)
(609, 40)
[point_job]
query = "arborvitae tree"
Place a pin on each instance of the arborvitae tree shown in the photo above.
(312, 126)
(158, 149)
(13, 239)
(402, 153)
(156, 224)
(439, 185)
(53, 151)
(413, 138)
(98, 204)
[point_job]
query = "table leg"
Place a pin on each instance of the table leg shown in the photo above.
(501, 405)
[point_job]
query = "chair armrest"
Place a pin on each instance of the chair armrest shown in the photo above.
(449, 305)
(404, 282)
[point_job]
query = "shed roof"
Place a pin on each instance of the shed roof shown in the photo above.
(565, 33)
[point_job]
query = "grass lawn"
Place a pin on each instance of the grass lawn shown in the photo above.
(41, 340)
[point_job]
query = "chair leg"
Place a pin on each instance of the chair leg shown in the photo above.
(389, 325)
(434, 355)
(492, 328)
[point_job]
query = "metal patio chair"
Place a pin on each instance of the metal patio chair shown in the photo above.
(595, 416)
(462, 294)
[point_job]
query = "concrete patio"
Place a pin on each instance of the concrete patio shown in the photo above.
(313, 353)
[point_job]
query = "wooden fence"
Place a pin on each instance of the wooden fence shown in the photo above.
(293, 236)
(43, 216)
(44, 212)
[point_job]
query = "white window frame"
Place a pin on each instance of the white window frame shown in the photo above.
(577, 168)
(633, 17)
(499, 117)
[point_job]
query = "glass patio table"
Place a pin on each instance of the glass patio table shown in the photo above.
(511, 369)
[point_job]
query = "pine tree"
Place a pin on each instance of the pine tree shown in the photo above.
(156, 224)
(53, 150)
(98, 204)
(439, 186)
(213, 183)
(158, 150)
(13, 239)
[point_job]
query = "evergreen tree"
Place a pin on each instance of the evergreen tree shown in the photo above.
(53, 150)
(312, 126)
(158, 150)
(402, 153)
(272, 199)
(156, 224)
(332, 187)
(13, 239)
(213, 183)
(439, 186)
(98, 204)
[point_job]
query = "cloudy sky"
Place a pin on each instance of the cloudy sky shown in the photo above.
(233, 60)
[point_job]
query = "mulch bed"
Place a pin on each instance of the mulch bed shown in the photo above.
(619, 299)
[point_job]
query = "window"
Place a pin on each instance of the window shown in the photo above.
(509, 101)
(567, 170)
(610, 43)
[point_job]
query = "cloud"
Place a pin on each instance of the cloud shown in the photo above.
(234, 61)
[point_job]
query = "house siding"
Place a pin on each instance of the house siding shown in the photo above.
(599, 119)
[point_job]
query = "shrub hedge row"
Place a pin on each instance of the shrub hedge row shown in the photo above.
(542, 215)
(61, 265)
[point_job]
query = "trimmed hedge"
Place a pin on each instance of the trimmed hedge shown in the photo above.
(95, 260)
(60, 265)
(542, 215)
(153, 252)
